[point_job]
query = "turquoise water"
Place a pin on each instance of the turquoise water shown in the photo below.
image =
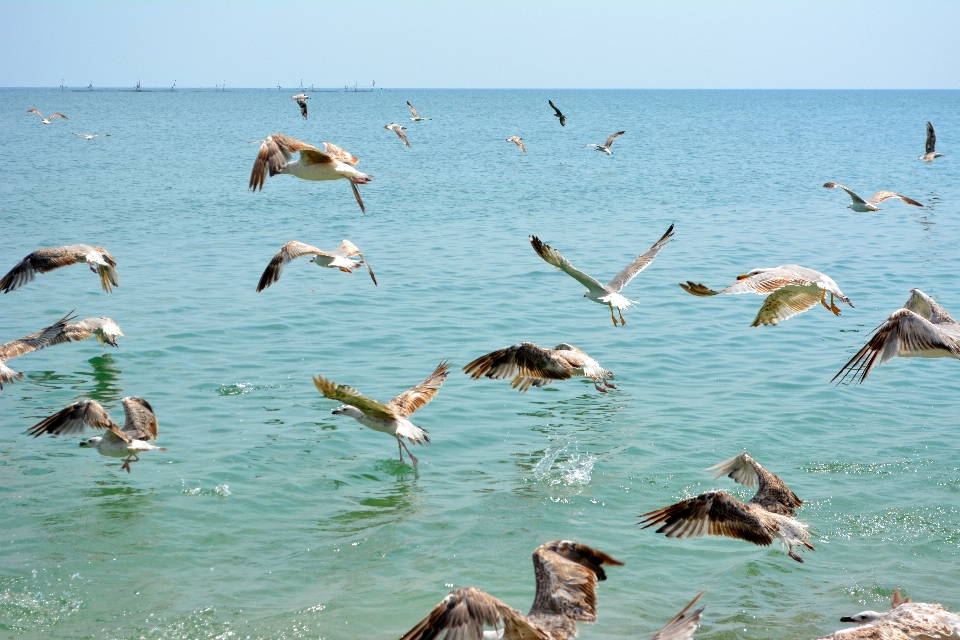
(271, 518)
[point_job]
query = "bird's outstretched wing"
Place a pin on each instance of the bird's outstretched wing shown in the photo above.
(931, 139)
(567, 574)
(77, 331)
(38, 340)
(413, 110)
(787, 302)
(303, 107)
(773, 494)
(880, 196)
(59, 115)
(288, 252)
(714, 513)
(563, 118)
(40, 261)
(412, 399)
(555, 258)
(397, 129)
(36, 112)
(464, 613)
(339, 154)
(524, 360)
(75, 418)
(348, 250)
(683, 625)
(612, 137)
(141, 422)
(926, 307)
(762, 283)
(640, 263)
(275, 152)
(349, 395)
(834, 185)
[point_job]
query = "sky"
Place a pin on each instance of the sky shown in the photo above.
(749, 44)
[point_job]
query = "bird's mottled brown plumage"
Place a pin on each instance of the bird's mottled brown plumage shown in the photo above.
(530, 365)
(399, 130)
(339, 258)
(401, 406)
(44, 260)
(104, 329)
(517, 140)
(37, 340)
(875, 199)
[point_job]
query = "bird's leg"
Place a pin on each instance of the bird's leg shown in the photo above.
(823, 299)
(834, 307)
(622, 321)
(609, 385)
(400, 449)
(613, 317)
(131, 458)
(412, 457)
(596, 385)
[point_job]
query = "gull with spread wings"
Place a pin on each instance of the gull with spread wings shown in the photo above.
(768, 515)
(391, 417)
(862, 206)
(301, 99)
(608, 294)
(793, 289)
(91, 136)
(517, 140)
(333, 163)
(557, 114)
(37, 340)
(44, 260)
(105, 330)
(921, 329)
(399, 130)
(416, 117)
(50, 119)
(531, 366)
(605, 147)
(931, 148)
(134, 438)
(340, 258)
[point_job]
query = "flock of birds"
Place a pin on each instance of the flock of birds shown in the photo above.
(566, 572)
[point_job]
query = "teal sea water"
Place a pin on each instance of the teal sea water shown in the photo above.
(271, 518)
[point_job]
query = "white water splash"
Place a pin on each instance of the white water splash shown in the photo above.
(576, 469)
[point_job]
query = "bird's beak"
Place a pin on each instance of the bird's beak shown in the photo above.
(742, 276)
(83, 444)
(336, 412)
(847, 619)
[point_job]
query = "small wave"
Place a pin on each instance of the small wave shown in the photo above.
(222, 490)
(241, 388)
(576, 469)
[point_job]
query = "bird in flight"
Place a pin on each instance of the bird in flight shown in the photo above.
(862, 206)
(768, 515)
(921, 329)
(399, 130)
(91, 136)
(333, 163)
(37, 340)
(105, 330)
(793, 289)
(416, 116)
(533, 366)
(134, 438)
(563, 118)
(517, 140)
(44, 260)
(605, 147)
(392, 417)
(931, 148)
(339, 258)
(608, 294)
(301, 99)
(50, 119)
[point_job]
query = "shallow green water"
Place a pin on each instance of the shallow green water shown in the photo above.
(271, 518)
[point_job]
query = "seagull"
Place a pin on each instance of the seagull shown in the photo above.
(140, 427)
(391, 417)
(606, 145)
(563, 118)
(105, 330)
(397, 129)
(517, 140)
(339, 258)
(43, 260)
(921, 329)
(301, 99)
(91, 136)
(931, 146)
(861, 206)
(769, 514)
(333, 163)
(905, 620)
(567, 573)
(50, 119)
(416, 116)
(608, 294)
(38, 340)
(533, 366)
(793, 289)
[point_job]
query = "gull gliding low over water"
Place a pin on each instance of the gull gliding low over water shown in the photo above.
(91, 136)
(37, 340)
(138, 430)
(333, 163)
(557, 114)
(50, 119)
(391, 417)
(105, 330)
(605, 147)
(921, 329)
(768, 515)
(339, 258)
(301, 99)
(793, 289)
(931, 147)
(416, 116)
(533, 366)
(399, 130)
(862, 206)
(608, 294)
(517, 140)
(44, 260)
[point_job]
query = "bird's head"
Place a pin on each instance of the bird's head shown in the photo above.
(864, 617)
(91, 443)
(346, 409)
(586, 294)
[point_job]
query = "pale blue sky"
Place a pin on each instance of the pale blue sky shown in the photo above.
(537, 43)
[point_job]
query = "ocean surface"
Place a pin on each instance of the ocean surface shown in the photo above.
(271, 518)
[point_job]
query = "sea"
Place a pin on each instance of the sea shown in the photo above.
(270, 518)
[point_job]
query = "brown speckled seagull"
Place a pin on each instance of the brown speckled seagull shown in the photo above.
(862, 206)
(37, 340)
(50, 119)
(768, 515)
(105, 330)
(605, 147)
(399, 130)
(416, 117)
(339, 258)
(44, 260)
(531, 366)
(517, 140)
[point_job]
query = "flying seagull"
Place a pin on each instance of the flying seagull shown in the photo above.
(44, 260)
(905, 620)
(608, 294)
(563, 118)
(921, 329)
(391, 417)
(416, 116)
(38, 340)
(862, 206)
(606, 145)
(768, 515)
(91, 136)
(105, 330)
(333, 163)
(533, 366)
(339, 258)
(931, 146)
(301, 99)
(793, 289)
(138, 430)
(397, 129)
(50, 119)
(567, 573)
(517, 140)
